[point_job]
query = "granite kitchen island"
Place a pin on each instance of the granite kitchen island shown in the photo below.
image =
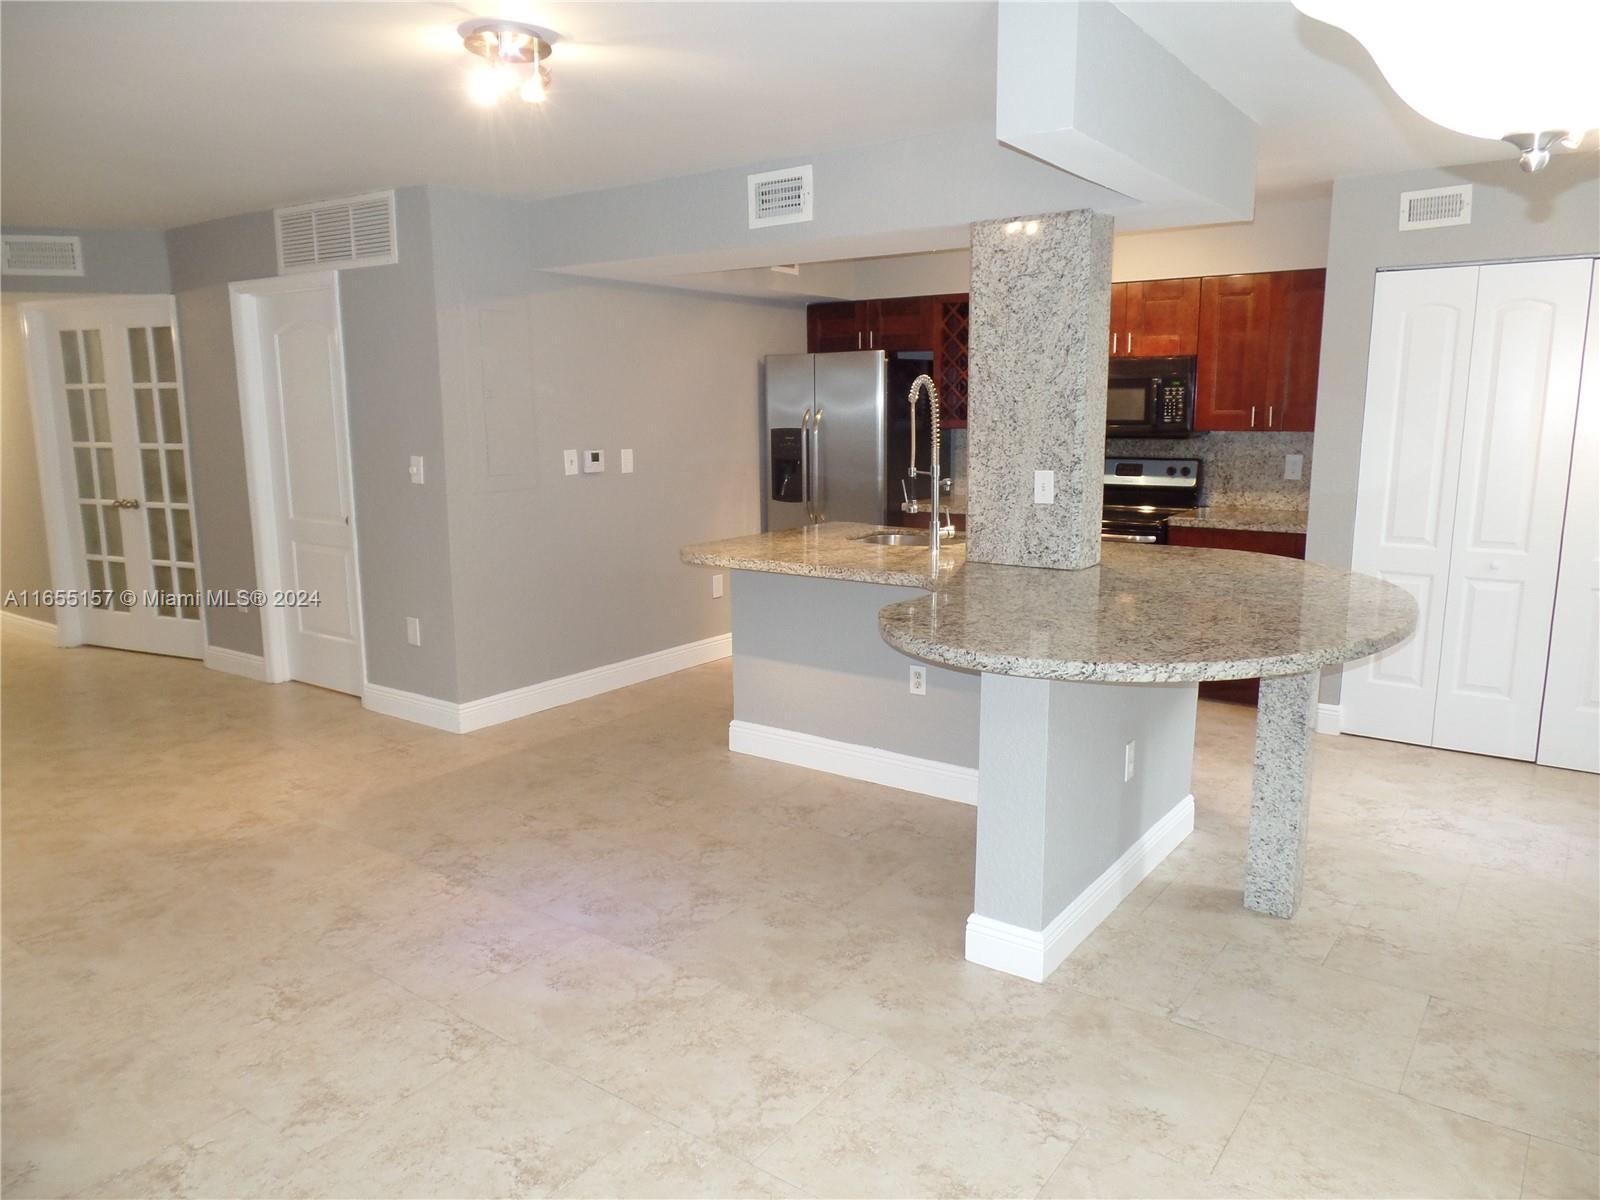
(1063, 702)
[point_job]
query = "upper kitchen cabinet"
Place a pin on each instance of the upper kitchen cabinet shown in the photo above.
(1260, 339)
(835, 326)
(937, 324)
(1162, 318)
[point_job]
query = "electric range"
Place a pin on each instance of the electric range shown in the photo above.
(1142, 493)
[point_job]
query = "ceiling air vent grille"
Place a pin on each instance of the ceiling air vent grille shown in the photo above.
(1434, 207)
(41, 254)
(780, 197)
(357, 231)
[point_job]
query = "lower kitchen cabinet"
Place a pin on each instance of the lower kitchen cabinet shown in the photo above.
(1288, 545)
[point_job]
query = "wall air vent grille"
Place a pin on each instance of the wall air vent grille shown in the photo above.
(357, 231)
(42, 254)
(1435, 207)
(780, 197)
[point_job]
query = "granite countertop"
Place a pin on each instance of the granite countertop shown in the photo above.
(1152, 614)
(829, 551)
(1243, 517)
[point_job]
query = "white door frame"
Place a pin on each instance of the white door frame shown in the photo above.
(243, 297)
(57, 493)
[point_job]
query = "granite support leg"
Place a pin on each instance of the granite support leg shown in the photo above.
(1281, 796)
(1063, 836)
(1040, 307)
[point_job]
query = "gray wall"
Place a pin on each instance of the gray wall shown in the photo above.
(556, 574)
(807, 657)
(204, 259)
(24, 555)
(1514, 216)
(130, 261)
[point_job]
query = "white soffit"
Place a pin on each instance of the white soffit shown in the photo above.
(1083, 88)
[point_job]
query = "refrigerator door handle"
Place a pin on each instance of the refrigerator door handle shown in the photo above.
(817, 514)
(805, 462)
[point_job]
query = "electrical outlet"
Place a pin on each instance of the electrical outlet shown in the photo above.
(716, 586)
(1127, 762)
(594, 462)
(626, 462)
(919, 681)
(1044, 487)
(413, 631)
(1294, 465)
(416, 468)
(569, 461)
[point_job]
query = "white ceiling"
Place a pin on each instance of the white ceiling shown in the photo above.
(159, 114)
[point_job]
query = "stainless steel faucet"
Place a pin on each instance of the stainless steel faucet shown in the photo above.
(920, 382)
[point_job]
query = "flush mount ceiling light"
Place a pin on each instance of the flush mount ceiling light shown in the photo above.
(513, 56)
(1482, 70)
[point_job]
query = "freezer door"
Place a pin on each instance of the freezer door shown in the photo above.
(848, 468)
(788, 406)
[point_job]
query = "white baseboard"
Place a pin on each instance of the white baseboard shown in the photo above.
(1035, 953)
(29, 625)
(928, 776)
(552, 693)
(1330, 718)
(236, 662)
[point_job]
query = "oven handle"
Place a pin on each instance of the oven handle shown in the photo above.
(1144, 538)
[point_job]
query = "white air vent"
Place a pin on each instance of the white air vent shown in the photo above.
(40, 254)
(357, 231)
(780, 197)
(1433, 207)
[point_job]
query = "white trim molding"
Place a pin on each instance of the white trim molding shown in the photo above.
(1035, 953)
(1330, 718)
(236, 662)
(947, 781)
(552, 693)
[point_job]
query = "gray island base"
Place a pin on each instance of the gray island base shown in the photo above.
(1084, 709)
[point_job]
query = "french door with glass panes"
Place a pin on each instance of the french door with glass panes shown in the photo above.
(120, 422)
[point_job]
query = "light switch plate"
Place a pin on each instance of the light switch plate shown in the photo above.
(413, 631)
(415, 469)
(594, 462)
(569, 461)
(716, 586)
(1128, 762)
(626, 462)
(1044, 487)
(1294, 466)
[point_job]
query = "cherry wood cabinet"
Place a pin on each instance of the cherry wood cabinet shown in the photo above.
(934, 323)
(1260, 341)
(1155, 318)
(834, 326)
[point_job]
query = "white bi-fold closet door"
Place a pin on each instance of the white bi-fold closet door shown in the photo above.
(1466, 453)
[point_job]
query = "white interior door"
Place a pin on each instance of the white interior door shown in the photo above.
(109, 408)
(299, 356)
(1405, 507)
(1522, 397)
(1569, 728)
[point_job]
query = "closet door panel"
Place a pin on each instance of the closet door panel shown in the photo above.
(1569, 730)
(1522, 396)
(1405, 504)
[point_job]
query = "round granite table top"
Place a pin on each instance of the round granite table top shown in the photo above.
(1151, 614)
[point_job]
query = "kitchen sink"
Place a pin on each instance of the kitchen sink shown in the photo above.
(909, 537)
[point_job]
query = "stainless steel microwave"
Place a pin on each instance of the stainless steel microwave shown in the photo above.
(1150, 398)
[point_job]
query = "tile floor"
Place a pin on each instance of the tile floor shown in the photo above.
(260, 942)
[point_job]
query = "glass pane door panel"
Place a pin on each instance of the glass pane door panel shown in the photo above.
(89, 426)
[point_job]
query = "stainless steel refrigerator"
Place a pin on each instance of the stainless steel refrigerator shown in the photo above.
(836, 436)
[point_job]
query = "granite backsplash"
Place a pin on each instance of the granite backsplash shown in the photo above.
(1239, 469)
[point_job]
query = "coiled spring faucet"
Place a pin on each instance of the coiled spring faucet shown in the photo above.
(917, 384)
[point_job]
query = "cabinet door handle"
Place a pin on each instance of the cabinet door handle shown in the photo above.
(1113, 341)
(871, 340)
(1128, 349)
(1269, 416)
(858, 339)
(1252, 416)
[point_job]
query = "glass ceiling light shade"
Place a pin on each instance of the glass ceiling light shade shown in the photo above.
(513, 55)
(1524, 74)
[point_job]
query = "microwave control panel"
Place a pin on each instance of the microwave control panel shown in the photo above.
(1173, 396)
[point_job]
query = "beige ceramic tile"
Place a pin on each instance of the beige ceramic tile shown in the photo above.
(1297, 1009)
(665, 1162)
(1215, 912)
(1556, 1172)
(1177, 1092)
(1516, 1073)
(901, 1128)
(1440, 957)
(1309, 1133)
(1101, 1166)
(238, 1156)
(1574, 1001)
(1146, 965)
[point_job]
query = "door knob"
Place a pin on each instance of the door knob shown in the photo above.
(124, 503)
